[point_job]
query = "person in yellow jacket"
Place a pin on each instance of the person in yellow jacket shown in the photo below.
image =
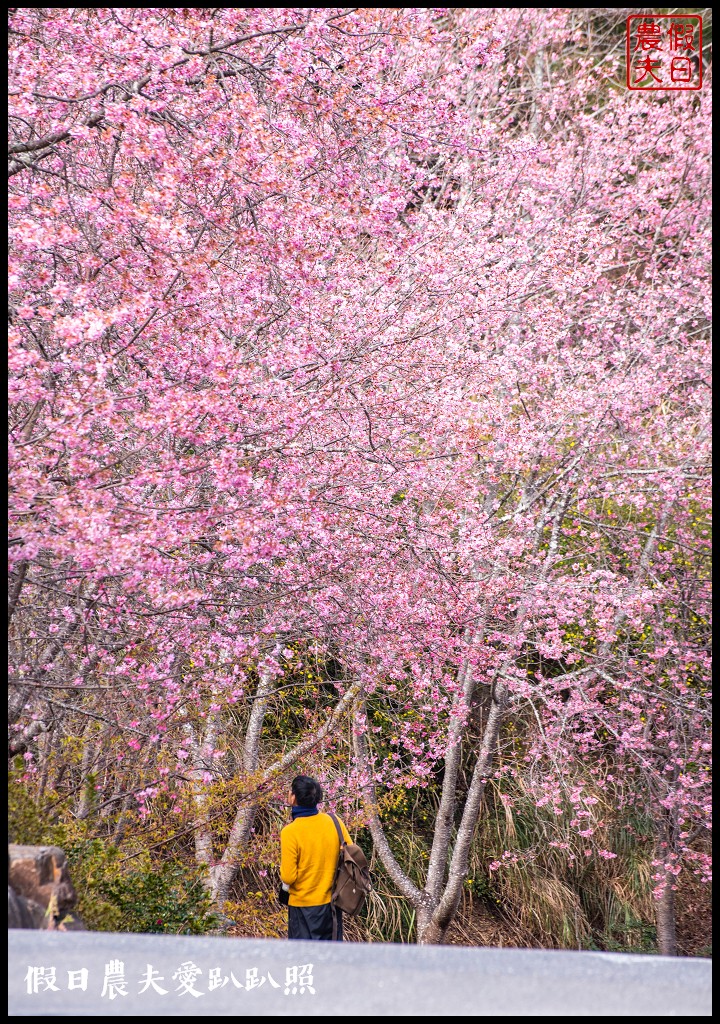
(309, 850)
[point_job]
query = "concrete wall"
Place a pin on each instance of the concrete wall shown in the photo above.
(104, 974)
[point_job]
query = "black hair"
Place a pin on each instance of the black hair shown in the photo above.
(307, 791)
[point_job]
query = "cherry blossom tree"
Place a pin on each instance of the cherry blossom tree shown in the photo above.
(201, 204)
(379, 335)
(603, 471)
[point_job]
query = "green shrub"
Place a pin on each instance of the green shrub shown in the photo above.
(147, 896)
(168, 897)
(28, 822)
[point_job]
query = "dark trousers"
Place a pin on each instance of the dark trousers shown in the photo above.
(314, 923)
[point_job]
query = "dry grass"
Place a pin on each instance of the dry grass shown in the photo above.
(694, 916)
(258, 916)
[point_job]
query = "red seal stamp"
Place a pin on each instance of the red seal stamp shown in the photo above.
(664, 52)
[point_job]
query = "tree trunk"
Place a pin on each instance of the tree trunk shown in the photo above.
(445, 820)
(536, 77)
(17, 587)
(431, 928)
(665, 846)
(428, 931)
(86, 794)
(201, 750)
(665, 919)
(437, 904)
(436, 908)
(222, 875)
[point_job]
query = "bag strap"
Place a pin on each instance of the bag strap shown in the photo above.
(333, 908)
(341, 837)
(336, 823)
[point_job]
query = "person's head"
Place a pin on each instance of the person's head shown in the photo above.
(307, 791)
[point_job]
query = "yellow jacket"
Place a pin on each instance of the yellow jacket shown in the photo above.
(309, 849)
